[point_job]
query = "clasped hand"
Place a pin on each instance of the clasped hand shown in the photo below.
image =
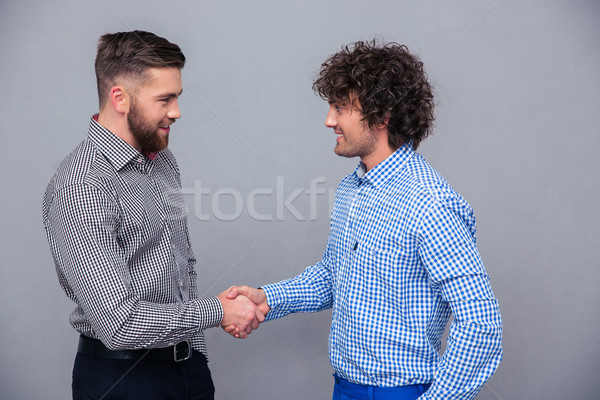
(244, 308)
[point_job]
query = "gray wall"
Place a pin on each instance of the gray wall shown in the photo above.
(516, 134)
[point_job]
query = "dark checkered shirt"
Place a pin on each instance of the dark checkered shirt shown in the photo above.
(117, 228)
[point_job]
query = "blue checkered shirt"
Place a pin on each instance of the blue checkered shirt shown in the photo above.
(401, 258)
(117, 228)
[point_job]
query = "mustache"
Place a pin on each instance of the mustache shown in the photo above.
(171, 120)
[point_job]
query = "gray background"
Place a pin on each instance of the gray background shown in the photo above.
(516, 133)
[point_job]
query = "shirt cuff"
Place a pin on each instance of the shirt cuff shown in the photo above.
(211, 312)
(277, 301)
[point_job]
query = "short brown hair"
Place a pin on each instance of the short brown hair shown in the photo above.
(388, 81)
(129, 55)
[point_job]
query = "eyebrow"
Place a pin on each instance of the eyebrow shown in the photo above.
(170, 95)
(340, 102)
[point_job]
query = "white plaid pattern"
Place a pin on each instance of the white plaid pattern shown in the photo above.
(400, 259)
(117, 228)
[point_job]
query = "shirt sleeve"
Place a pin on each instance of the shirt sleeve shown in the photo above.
(311, 291)
(474, 347)
(83, 222)
(191, 271)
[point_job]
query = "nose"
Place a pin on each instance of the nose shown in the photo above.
(330, 120)
(174, 112)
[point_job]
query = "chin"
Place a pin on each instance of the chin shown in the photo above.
(342, 153)
(156, 147)
(162, 144)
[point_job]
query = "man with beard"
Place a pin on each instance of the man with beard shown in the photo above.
(115, 220)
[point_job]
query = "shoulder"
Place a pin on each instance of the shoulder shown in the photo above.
(85, 166)
(426, 180)
(442, 198)
(76, 166)
(420, 186)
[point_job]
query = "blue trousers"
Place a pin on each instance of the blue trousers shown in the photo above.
(107, 379)
(344, 390)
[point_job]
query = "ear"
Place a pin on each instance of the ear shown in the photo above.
(120, 99)
(383, 125)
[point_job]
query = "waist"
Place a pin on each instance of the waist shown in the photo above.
(356, 389)
(177, 353)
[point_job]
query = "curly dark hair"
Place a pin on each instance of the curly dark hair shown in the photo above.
(388, 82)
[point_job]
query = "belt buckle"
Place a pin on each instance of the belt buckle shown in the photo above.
(182, 351)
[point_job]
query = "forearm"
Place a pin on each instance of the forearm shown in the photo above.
(308, 292)
(146, 325)
(473, 351)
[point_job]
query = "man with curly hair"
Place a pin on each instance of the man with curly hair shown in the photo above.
(401, 257)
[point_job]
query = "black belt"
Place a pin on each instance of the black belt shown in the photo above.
(94, 348)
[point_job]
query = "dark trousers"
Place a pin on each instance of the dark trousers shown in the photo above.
(108, 379)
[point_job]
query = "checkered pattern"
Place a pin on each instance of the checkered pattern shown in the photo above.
(117, 228)
(400, 259)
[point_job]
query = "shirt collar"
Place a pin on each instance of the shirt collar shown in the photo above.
(383, 171)
(117, 151)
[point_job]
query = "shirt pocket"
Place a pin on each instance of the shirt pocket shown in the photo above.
(377, 265)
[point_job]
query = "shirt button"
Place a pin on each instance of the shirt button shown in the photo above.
(181, 283)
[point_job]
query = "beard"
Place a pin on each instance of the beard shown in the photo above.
(357, 144)
(145, 132)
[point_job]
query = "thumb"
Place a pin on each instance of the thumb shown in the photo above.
(232, 293)
(260, 316)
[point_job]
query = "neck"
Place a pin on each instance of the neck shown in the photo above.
(373, 160)
(380, 153)
(119, 126)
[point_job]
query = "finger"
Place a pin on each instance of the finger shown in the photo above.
(231, 329)
(254, 324)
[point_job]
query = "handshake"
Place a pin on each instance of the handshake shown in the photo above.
(244, 308)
